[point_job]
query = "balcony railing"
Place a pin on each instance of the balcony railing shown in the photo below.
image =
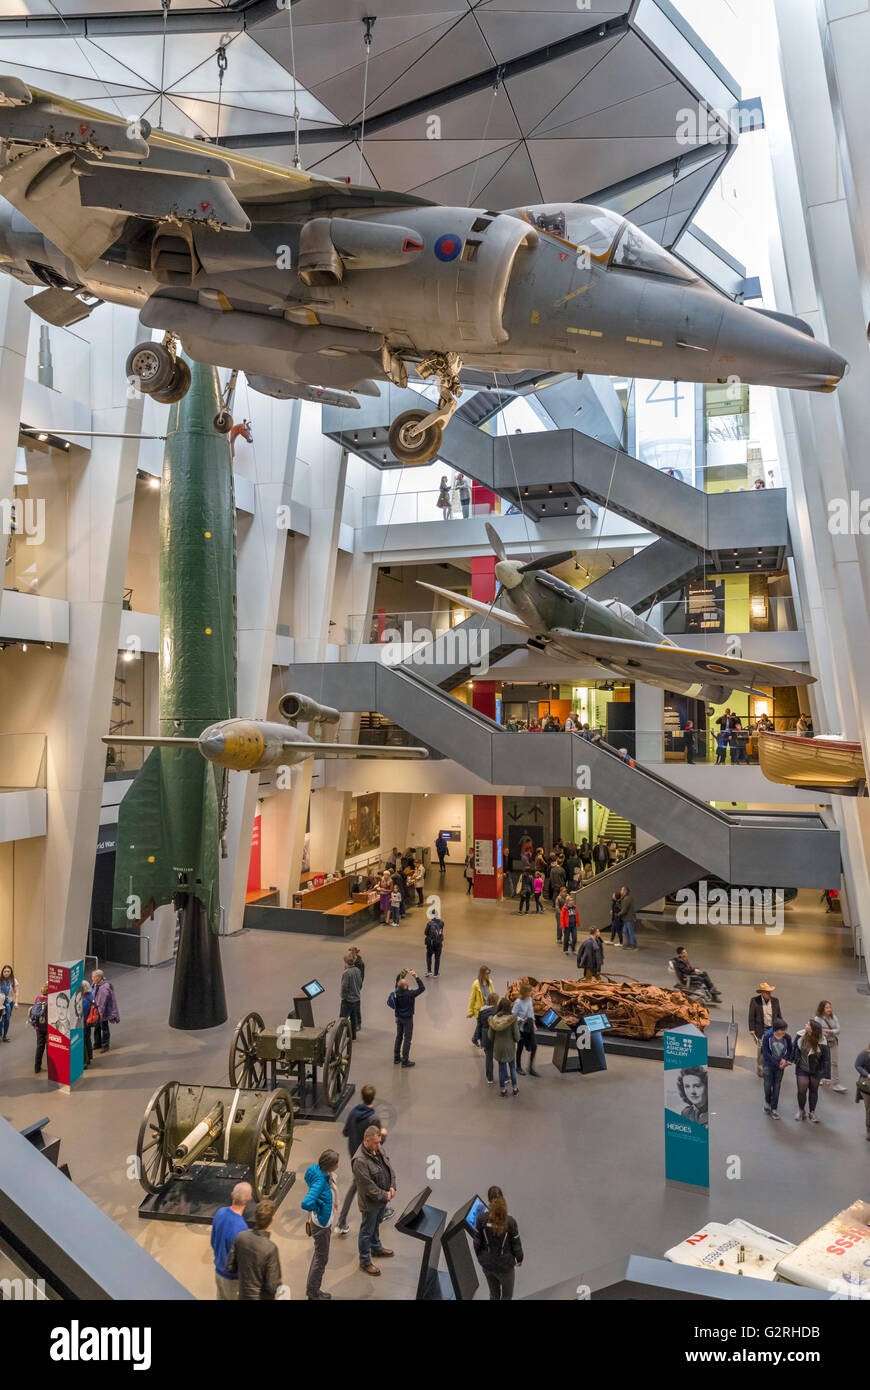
(400, 508)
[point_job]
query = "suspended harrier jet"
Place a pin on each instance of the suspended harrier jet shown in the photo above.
(309, 285)
(554, 617)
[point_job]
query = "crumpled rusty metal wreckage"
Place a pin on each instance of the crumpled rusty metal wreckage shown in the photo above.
(635, 1009)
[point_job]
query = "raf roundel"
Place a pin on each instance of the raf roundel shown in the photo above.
(448, 247)
(716, 668)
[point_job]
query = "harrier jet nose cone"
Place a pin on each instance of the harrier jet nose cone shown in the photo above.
(508, 575)
(212, 743)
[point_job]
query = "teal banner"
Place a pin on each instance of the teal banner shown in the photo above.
(687, 1133)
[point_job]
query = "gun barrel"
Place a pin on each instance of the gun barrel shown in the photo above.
(199, 1139)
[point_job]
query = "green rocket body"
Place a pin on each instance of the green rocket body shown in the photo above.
(169, 821)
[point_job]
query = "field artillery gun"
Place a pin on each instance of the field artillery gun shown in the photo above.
(196, 1142)
(311, 1063)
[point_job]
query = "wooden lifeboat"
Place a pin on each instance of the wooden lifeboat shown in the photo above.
(826, 763)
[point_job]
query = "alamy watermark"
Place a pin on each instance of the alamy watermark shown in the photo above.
(457, 646)
(849, 516)
(23, 516)
(732, 907)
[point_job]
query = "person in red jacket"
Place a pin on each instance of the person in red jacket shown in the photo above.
(569, 922)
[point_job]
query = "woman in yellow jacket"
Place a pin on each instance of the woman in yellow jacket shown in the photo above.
(480, 992)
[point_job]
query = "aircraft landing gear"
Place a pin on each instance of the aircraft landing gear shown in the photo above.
(223, 421)
(415, 436)
(156, 371)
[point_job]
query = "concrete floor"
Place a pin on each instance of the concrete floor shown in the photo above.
(580, 1160)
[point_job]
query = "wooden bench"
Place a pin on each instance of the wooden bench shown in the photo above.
(345, 910)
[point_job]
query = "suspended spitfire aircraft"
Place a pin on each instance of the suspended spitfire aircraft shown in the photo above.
(555, 617)
(311, 286)
(253, 745)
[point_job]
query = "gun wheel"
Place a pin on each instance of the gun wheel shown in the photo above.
(410, 447)
(272, 1144)
(247, 1069)
(336, 1065)
(152, 1146)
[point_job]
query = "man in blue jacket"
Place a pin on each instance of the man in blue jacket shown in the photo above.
(776, 1054)
(403, 999)
(227, 1223)
(320, 1201)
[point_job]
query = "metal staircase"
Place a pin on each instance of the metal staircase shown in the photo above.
(767, 850)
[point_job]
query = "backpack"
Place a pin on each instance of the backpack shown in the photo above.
(435, 933)
(36, 1016)
(391, 999)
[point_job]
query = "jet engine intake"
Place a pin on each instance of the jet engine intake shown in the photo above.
(293, 706)
(328, 245)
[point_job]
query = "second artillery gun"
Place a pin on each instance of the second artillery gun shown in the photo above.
(289, 1057)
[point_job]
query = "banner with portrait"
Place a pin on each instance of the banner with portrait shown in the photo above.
(66, 1037)
(687, 1133)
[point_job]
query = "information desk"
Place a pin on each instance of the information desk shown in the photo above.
(323, 911)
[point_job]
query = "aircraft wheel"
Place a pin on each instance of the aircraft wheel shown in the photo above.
(414, 449)
(150, 367)
(179, 385)
(223, 422)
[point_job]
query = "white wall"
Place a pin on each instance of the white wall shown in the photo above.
(429, 814)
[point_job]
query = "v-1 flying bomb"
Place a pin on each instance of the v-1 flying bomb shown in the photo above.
(253, 745)
(306, 284)
(555, 617)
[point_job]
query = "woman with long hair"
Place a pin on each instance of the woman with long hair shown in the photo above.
(8, 999)
(505, 1029)
(830, 1026)
(523, 1011)
(811, 1063)
(497, 1246)
(481, 989)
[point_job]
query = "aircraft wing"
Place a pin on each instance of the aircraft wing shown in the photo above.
(77, 174)
(356, 750)
(486, 610)
(644, 660)
(140, 741)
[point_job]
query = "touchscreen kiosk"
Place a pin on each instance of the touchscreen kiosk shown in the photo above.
(477, 1206)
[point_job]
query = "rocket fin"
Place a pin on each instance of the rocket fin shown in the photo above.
(138, 883)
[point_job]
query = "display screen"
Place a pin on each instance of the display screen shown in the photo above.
(550, 1018)
(596, 1022)
(477, 1206)
(313, 988)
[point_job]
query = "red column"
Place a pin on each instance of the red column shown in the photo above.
(482, 503)
(486, 810)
